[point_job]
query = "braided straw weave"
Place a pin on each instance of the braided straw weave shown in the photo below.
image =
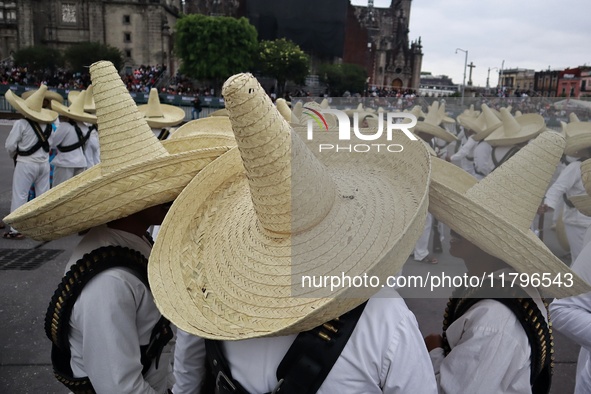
(230, 254)
(516, 130)
(32, 107)
(136, 171)
(495, 214)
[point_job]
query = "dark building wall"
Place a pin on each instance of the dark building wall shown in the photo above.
(356, 41)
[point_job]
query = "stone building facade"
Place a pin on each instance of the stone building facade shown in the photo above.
(141, 29)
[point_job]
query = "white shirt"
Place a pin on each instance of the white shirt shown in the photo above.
(23, 137)
(92, 150)
(65, 135)
(112, 317)
(569, 182)
(490, 351)
(385, 354)
(464, 157)
(483, 164)
(571, 316)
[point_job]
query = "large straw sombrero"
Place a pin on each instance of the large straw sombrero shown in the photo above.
(283, 109)
(161, 115)
(223, 262)
(210, 125)
(219, 112)
(430, 124)
(496, 213)
(48, 95)
(482, 125)
(89, 105)
(32, 107)
(516, 130)
(76, 110)
(583, 201)
(578, 138)
(136, 171)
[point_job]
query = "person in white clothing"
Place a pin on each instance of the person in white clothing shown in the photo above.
(496, 336)
(568, 184)
(70, 139)
(571, 316)
(268, 209)
(92, 145)
(27, 144)
(115, 340)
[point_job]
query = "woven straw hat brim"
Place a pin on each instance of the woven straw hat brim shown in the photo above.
(435, 131)
(481, 131)
(49, 95)
(576, 145)
(522, 250)
(217, 124)
(219, 112)
(586, 175)
(201, 141)
(91, 199)
(70, 113)
(171, 116)
(583, 203)
(43, 116)
(532, 125)
(215, 273)
(90, 108)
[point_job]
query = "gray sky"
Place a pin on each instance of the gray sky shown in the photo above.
(532, 34)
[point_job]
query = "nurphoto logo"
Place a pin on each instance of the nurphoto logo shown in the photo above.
(394, 121)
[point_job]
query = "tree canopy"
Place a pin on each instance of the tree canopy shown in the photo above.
(343, 77)
(38, 58)
(283, 60)
(80, 56)
(214, 47)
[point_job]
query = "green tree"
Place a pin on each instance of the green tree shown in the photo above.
(343, 77)
(38, 58)
(283, 60)
(214, 47)
(80, 56)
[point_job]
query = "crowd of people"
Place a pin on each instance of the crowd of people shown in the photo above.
(240, 228)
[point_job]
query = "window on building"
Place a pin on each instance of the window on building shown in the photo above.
(126, 37)
(126, 19)
(128, 53)
(68, 13)
(584, 85)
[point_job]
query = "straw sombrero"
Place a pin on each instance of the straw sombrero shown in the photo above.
(496, 213)
(516, 130)
(32, 107)
(483, 125)
(223, 262)
(283, 109)
(578, 138)
(89, 105)
(583, 201)
(76, 110)
(211, 125)
(219, 112)
(48, 95)
(430, 124)
(136, 171)
(445, 118)
(161, 115)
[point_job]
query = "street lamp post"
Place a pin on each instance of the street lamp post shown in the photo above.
(464, 81)
(488, 77)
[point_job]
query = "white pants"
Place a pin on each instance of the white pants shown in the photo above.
(576, 239)
(422, 246)
(62, 174)
(25, 174)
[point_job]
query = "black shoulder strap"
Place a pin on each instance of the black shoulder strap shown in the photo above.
(58, 314)
(164, 133)
(507, 156)
(81, 139)
(529, 316)
(42, 139)
(305, 365)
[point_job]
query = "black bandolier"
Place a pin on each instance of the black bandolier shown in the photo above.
(305, 365)
(82, 139)
(57, 318)
(528, 314)
(42, 140)
(164, 134)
